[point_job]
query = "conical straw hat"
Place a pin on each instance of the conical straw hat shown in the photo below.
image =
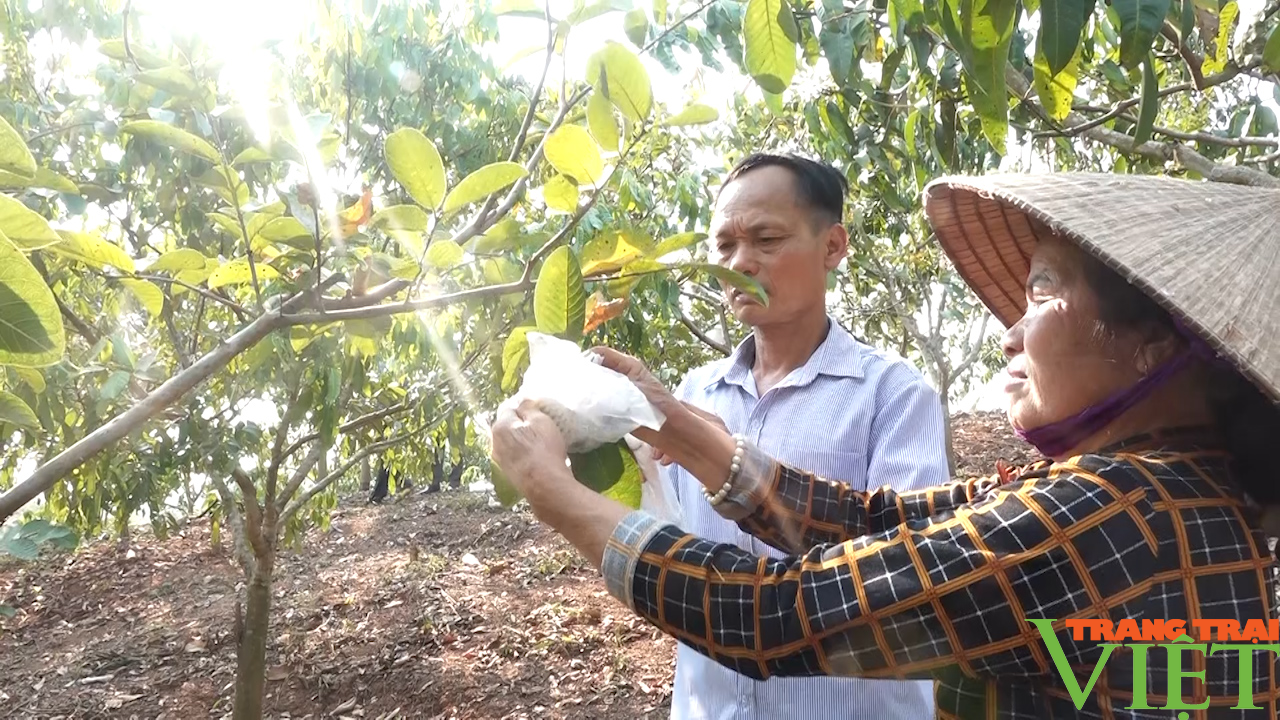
(1207, 252)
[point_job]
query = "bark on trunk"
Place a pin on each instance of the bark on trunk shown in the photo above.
(366, 474)
(951, 448)
(251, 660)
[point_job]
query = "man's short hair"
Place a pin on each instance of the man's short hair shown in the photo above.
(818, 185)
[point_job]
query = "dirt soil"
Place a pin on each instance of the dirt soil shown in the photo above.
(431, 606)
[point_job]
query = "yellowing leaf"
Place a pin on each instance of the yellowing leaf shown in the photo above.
(1216, 61)
(43, 178)
(695, 114)
(769, 33)
(26, 228)
(31, 377)
(559, 300)
(482, 183)
(444, 254)
(571, 151)
(92, 251)
(611, 250)
(515, 357)
(603, 125)
(227, 224)
(616, 72)
(400, 217)
(178, 260)
(173, 137)
(561, 194)
(14, 411)
(284, 229)
(1057, 92)
(251, 155)
(416, 165)
(145, 58)
(15, 158)
(677, 242)
(237, 272)
(149, 295)
(171, 79)
(31, 333)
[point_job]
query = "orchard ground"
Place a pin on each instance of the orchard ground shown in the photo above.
(430, 606)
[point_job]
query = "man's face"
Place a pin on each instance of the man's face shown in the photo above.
(763, 229)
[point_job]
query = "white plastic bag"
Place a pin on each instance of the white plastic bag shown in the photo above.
(594, 406)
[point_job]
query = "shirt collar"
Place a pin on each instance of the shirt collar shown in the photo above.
(839, 355)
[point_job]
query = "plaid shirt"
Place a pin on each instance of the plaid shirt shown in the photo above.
(938, 583)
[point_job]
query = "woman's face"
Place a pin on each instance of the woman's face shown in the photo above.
(1059, 360)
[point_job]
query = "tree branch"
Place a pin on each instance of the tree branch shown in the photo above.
(348, 426)
(706, 340)
(252, 511)
(334, 476)
(299, 475)
(239, 534)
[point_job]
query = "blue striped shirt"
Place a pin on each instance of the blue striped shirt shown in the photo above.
(851, 413)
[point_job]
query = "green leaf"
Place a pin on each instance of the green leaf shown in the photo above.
(31, 377)
(171, 79)
(515, 358)
(115, 384)
(660, 13)
(1271, 51)
(1061, 22)
(252, 155)
(1140, 20)
(1149, 104)
(506, 493)
(982, 38)
(16, 412)
(695, 114)
(499, 237)
(571, 151)
(633, 273)
(561, 194)
(604, 127)
(1216, 61)
(92, 251)
(732, 278)
(24, 227)
(237, 272)
(416, 165)
(559, 300)
(284, 230)
(676, 243)
(15, 158)
(145, 58)
(400, 217)
(482, 183)
(148, 293)
(1056, 90)
(21, 548)
(636, 25)
(770, 34)
(616, 72)
(444, 254)
(173, 137)
(31, 333)
(612, 471)
(611, 250)
(178, 260)
(44, 178)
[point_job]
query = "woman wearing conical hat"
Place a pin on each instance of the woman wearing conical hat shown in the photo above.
(1143, 362)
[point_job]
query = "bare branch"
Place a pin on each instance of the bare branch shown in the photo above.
(239, 534)
(239, 309)
(706, 339)
(299, 475)
(252, 511)
(348, 426)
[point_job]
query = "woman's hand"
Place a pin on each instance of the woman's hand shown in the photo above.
(528, 447)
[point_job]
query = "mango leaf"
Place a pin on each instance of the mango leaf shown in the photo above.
(571, 151)
(1149, 103)
(145, 58)
(416, 165)
(1271, 51)
(559, 300)
(173, 137)
(148, 293)
(604, 127)
(983, 38)
(178, 260)
(16, 412)
(1056, 90)
(770, 33)
(43, 178)
(1061, 22)
(732, 278)
(561, 194)
(676, 243)
(695, 114)
(24, 227)
(1216, 61)
(1140, 20)
(515, 358)
(31, 333)
(506, 493)
(237, 272)
(482, 183)
(32, 378)
(636, 26)
(610, 470)
(92, 251)
(611, 250)
(615, 72)
(444, 254)
(15, 158)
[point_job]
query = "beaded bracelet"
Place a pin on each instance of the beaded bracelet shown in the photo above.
(735, 467)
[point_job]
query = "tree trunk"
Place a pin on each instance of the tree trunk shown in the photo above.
(946, 426)
(455, 476)
(366, 474)
(251, 660)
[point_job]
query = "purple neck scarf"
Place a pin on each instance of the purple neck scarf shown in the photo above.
(1059, 437)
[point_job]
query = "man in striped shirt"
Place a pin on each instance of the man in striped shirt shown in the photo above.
(807, 393)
